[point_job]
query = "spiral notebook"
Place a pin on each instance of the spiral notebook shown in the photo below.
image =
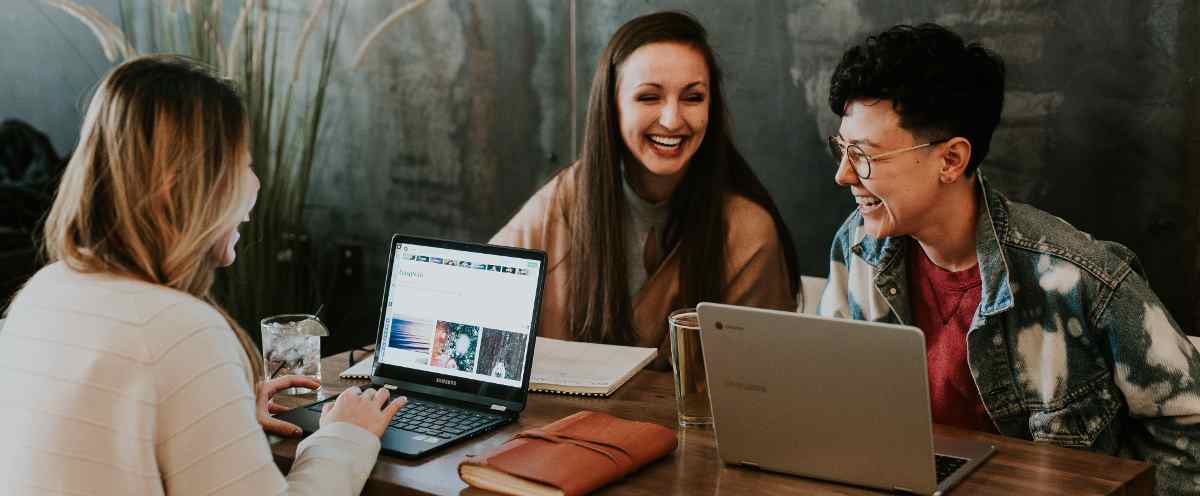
(586, 369)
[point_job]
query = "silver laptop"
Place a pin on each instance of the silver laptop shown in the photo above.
(832, 399)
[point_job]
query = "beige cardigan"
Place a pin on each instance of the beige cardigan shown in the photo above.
(115, 386)
(755, 268)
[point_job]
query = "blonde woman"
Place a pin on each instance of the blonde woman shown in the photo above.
(120, 373)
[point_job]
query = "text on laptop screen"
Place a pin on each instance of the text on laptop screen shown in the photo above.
(460, 313)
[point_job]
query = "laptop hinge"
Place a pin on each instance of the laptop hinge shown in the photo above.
(748, 464)
(499, 408)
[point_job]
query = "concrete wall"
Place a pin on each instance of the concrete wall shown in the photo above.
(466, 107)
(48, 66)
(451, 122)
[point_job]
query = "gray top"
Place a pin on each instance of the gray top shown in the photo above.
(640, 217)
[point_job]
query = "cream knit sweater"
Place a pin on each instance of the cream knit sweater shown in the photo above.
(114, 386)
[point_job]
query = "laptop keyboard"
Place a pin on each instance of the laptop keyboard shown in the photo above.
(436, 419)
(946, 465)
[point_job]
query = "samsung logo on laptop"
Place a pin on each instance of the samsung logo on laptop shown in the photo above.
(448, 382)
(745, 386)
(722, 326)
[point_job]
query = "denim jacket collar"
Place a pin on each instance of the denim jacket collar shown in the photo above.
(991, 227)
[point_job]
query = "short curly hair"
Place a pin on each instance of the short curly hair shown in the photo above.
(940, 85)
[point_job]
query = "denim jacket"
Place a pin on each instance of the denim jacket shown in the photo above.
(1069, 345)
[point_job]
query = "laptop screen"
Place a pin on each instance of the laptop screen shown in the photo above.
(458, 311)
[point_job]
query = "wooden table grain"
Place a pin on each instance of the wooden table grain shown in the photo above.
(1018, 467)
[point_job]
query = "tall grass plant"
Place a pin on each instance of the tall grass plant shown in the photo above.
(275, 271)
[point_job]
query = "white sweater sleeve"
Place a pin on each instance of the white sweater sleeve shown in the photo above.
(209, 442)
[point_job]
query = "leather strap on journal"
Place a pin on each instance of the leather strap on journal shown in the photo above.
(615, 453)
(579, 453)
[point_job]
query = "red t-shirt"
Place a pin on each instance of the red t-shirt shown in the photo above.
(943, 305)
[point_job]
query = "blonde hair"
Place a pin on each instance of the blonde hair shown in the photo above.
(155, 182)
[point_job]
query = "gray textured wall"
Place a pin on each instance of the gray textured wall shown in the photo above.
(466, 108)
(450, 125)
(48, 65)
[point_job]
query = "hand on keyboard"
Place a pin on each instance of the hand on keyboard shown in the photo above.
(363, 408)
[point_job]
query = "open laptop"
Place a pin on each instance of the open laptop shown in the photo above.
(456, 335)
(831, 399)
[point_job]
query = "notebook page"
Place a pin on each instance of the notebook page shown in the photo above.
(576, 364)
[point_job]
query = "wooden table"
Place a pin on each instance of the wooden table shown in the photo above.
(1018, 467)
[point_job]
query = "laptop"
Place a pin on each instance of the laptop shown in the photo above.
(456, 334)
(833, 399)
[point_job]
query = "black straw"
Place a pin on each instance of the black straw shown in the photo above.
(277, 369)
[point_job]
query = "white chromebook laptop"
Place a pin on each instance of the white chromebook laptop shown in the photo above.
(832, 399)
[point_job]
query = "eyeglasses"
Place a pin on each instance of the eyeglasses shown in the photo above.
(859, 160)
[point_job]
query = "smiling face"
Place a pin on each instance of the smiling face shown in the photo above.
(662, 98)
(901, 196)
(225, 250)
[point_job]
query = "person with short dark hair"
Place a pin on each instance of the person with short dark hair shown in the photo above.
(1033, 329)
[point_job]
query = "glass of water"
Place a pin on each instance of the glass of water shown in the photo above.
(291, 344)
(687, 365)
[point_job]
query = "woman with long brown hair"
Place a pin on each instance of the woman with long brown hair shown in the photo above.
(660, 211)
(120, 373)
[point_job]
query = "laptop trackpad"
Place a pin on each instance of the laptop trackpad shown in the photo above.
(408, 442)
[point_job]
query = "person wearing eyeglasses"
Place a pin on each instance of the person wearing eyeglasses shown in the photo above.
(1033, 329)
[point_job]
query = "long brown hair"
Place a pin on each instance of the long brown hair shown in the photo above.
(598, 301)
(155, 182)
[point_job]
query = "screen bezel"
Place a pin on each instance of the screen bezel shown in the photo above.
(474, 391)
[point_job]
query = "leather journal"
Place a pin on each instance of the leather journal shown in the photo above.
(571, 456)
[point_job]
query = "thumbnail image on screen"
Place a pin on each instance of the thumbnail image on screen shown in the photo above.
(502, 354)
(409, 340)
(455, 346)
